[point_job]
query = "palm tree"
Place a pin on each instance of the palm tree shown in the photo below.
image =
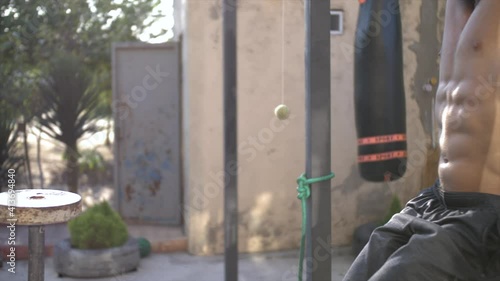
(69, 101)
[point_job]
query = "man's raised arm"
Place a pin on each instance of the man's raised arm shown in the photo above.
(457, 14)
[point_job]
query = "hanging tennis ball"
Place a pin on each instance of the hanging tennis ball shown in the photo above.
(282, 112)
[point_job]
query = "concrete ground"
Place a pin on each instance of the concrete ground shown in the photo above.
(278, 266)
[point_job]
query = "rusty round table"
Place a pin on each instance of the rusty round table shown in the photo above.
(36, 208)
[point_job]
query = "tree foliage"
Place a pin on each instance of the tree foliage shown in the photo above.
(68, 99)
(56, 60)
(10, 152)
(33, 32)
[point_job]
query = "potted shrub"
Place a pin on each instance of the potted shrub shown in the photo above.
(99, 246)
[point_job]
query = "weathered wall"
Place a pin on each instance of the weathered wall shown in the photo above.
(271, 152)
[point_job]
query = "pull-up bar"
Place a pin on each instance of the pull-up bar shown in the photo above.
(318, 152)
(318, 205)
(230, 140)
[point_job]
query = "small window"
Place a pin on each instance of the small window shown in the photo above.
(336, 22)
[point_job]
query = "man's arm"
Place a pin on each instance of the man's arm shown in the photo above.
(457, 14)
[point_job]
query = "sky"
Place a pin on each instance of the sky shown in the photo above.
(166, 7)
(159, 22)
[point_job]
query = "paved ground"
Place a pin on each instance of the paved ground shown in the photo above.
(279, 266)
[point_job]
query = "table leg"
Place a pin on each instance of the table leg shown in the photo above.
(36, 266)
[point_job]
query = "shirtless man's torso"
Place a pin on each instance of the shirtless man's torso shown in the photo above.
(468, 97)
(455, 234)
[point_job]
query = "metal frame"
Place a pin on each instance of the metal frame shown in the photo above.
(117, 128)
(318, 151)
(36, 250)
(230, 140)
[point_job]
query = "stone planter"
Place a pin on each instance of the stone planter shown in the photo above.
(95, 263)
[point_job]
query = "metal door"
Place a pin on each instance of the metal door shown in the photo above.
(146, 111)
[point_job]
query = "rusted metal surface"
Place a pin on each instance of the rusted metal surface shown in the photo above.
(36, 263)
(146, 98)
(38, 206)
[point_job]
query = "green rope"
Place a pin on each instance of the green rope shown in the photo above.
(304, 191)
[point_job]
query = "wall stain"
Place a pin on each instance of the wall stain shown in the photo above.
(215, 12)
(155, 187)
(351, 183)
(169, 154)
(128, 192)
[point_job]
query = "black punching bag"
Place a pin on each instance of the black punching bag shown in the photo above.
(379, 91)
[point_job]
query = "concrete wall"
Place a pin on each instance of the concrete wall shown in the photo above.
(271, 152)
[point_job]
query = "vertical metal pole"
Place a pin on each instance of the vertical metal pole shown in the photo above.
(36, 266)
(317, 64)
(36, 242)
(230, 139)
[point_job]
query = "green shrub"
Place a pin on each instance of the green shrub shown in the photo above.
(99, 227)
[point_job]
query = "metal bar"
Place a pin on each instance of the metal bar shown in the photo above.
(230, 139)
(317, 58)
(36, 267)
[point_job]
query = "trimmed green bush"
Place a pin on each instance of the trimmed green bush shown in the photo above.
(99, 227)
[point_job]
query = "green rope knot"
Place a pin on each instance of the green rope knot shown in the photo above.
(304, 192)
(303, 189)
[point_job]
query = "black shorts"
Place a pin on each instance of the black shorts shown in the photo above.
(452, 236)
